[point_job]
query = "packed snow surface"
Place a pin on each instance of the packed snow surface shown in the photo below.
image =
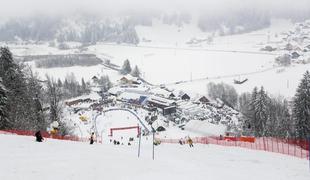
(23, 158)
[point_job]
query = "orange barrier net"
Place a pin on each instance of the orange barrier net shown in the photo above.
(293, 147)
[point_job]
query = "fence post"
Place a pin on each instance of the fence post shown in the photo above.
(272, 144)
(300, 147)
(309, 150)
(264, 143)
(282, 146)
(277, 145)
(295, 147)
(288, 146)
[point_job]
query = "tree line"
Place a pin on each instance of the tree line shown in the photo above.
(262, 114)
(28, 103)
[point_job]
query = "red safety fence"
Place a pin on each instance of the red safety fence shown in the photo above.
(44, 134)
(292, 147)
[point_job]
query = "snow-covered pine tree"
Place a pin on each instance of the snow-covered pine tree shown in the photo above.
(126, 68)
(285, 125)
(105, 83)
(260, 112)
(3, 102)
(34, 91)
(84, 86)
(301, 108)
(54, 96)
(244, 107)
(135, 72)
(19, 114)
(59, 83)
(252, 117)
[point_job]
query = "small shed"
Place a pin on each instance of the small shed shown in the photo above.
(295, 55)
(95, 79)
(185, 97)
(124, 80)
(204, 100)
(171, 96)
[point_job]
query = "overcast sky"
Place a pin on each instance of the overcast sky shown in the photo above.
(30, 7)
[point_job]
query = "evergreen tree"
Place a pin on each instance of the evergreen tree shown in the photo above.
(135, 72)
(23, 90)
(126, 68)
(34, 90)
(84, 88)
(285, 124)
(301, 108)
(225, 92)
(59, 83)
(261, 112)
(252, 117)
(54, 96)
(19, 115)
(244, 106)
(3, 102)
(105, 83)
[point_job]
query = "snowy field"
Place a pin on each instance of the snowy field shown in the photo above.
(23, 158)
(168, 59)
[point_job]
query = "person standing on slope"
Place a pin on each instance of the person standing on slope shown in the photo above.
(92, 138)
(39, 137)
(190, 142)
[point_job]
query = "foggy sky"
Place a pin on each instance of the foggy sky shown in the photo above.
(9, 8)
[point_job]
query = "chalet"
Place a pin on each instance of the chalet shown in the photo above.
(185, 97)
(295, 55)
(95, 79)
(129, 79)
(171, 96)
(203, 100)
(124, 80)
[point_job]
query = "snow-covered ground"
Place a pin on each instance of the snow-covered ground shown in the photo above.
(167, 59)
(23, 158)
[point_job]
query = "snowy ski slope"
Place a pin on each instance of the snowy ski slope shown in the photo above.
(22, 158)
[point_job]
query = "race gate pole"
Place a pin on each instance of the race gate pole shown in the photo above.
(139, 143)
(153, 145)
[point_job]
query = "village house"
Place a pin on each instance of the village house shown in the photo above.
(128, 79)
(185, 97)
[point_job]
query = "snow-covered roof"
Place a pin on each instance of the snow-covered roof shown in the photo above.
(129, 95)
(130, 77)
(116, 90)
(160, 100)
(160, 91)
